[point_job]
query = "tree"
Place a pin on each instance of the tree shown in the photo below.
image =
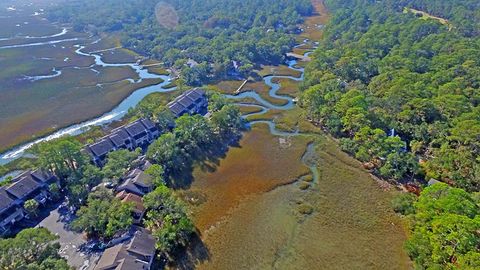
(61, 156)
(403, 203)
(55, 191)
(118, 163)
(77, 194)
(193, 133)
(164, 119)
(31, 207)
(156, 171)
(103, 218)
(91, 175)
(399, 165)
(33, 248)
(3, 170)
(167, 219)
(227, 122)
(166, 152)
(174, 232)
(216, 101)
(444, 229)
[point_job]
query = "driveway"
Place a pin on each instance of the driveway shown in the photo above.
(69, 243)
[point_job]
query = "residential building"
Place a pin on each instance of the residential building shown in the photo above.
(99, 150)
(10, 211)
(25, 186)
(139, 133)
(136, 182)
(136, 254)
(142, 132)
(189, 102)
(137, 201)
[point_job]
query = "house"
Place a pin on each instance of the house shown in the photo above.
(137, 182)
(137, 201)
(192, 63)
(189, 102)
(120, 139)
(99, 150)
(25, 186)
(142, 132)
(10, 211)
(31, 185)
(139, 133)
(137, 254)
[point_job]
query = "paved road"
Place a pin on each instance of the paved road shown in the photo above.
(69, 242)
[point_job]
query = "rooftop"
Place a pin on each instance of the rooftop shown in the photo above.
(101, 147)
(183, 102)
(6, 200)
(143, 243)
(124, 256)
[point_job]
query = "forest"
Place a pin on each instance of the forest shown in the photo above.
(204, 39)
(401, 92)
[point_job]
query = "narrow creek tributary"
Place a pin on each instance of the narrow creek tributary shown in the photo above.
(133, 99)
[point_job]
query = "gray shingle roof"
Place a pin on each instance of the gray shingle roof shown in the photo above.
(6, 201)
(119, 137)
(102, 147)
(41, 176)
(136, 128)
(110, 257)
(23, 187)
(129, 186)
(142, 179)
(123, 257)
(176, 108)
(196, 94)
(186, 101)
(148, 124)
(143, 243)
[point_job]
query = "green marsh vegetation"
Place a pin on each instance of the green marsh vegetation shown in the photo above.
(35, 108)
(210, 32)
(379, 69)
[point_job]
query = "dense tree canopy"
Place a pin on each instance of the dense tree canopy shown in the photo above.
(119, 162)
(33, 249)
(167, 219)
(444, 223)
(103, 215)
(399, 88)
(61, 156)
(212, 33)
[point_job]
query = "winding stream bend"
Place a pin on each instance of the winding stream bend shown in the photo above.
(134, 98)
(115, 114)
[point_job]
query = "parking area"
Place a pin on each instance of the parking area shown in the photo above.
(70, 242)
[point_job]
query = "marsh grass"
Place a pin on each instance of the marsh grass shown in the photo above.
(34, 109)
(248, 110)
(288, 87)
(252, 168)
(281, 70)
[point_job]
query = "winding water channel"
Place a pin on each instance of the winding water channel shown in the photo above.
(134, 98)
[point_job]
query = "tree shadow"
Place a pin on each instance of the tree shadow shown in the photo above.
(191, 255)
(208, 160)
